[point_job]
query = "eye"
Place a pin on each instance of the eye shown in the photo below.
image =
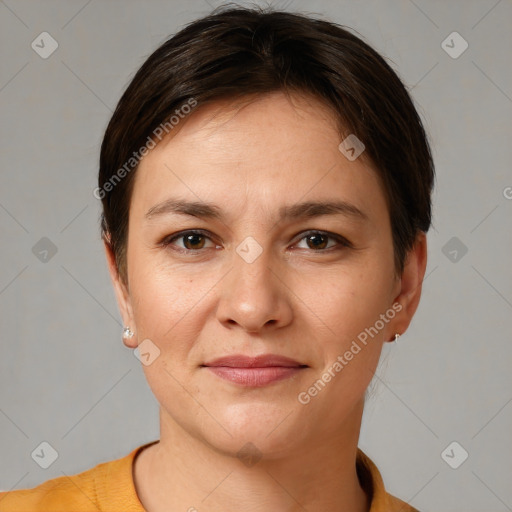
(193, 240)
(318, 240)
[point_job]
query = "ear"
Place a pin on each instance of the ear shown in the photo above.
(122, 294)
(410, 284)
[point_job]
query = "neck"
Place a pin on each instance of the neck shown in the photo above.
(182, 472)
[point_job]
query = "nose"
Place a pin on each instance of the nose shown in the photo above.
(254, 295)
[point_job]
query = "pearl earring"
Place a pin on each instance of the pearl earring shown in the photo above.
(396, 337)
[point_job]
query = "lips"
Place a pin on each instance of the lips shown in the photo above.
(254, 371)
(264, 361)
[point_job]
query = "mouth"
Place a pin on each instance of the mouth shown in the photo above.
(254, 371)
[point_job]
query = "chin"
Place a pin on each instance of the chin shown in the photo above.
(266, 428)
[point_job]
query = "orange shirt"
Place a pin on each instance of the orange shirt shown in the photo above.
(109, 487)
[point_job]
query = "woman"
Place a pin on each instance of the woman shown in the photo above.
(266, 188)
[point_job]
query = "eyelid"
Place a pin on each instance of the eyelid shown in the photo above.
(342, 241)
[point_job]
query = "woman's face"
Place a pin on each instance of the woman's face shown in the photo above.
(258, 279)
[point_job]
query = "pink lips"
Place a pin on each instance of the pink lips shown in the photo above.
(254, 371)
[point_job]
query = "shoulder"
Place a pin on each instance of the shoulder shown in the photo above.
(373, 484)
(398, 505)
(59, 494)
(82, 492)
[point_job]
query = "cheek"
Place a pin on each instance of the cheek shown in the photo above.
(163, 300)
(348, 301)
(162, 293)
(349, 307)
(165, 312)
(171, 306)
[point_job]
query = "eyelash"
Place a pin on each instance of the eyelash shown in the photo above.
(166, 242)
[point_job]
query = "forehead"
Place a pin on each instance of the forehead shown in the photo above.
(263, 152)
(281, 120)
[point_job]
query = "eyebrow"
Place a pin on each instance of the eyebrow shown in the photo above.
(304, 210)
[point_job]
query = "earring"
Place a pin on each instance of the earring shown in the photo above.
(127, 333)
(396, 337)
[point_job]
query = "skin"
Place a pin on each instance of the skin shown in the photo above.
(293, 300)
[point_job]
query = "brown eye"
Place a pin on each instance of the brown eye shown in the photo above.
(193, 241)
(190, 241)
(318, 241)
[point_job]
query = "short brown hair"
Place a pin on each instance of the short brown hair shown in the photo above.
(237, 52)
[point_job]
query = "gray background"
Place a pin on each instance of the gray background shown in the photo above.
(65, 376)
